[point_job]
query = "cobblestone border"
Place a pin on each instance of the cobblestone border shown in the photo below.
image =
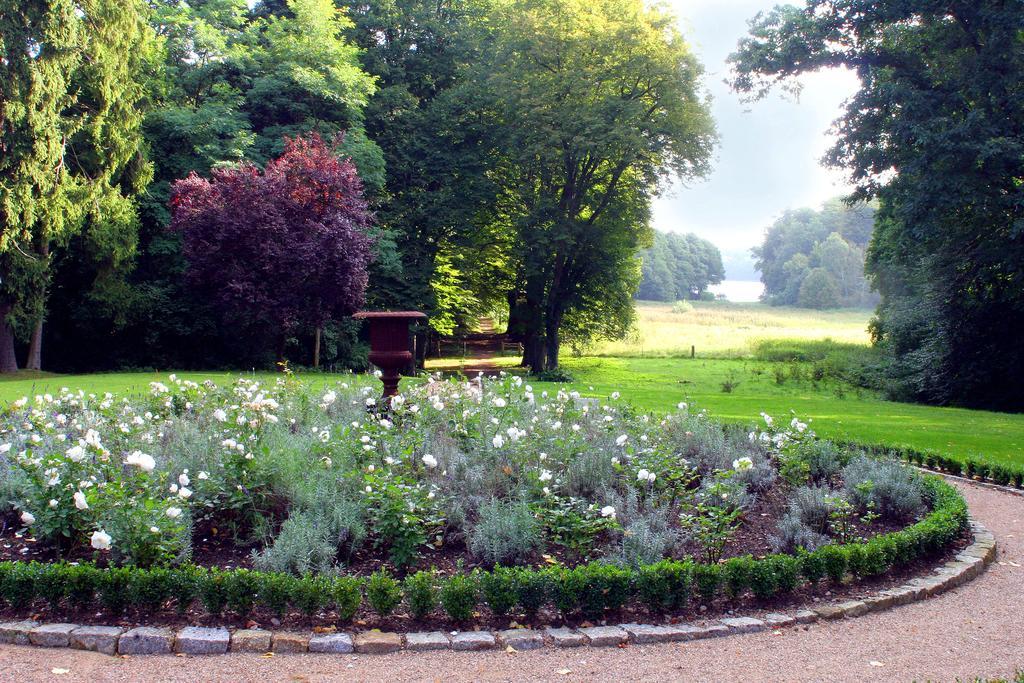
(194, 640)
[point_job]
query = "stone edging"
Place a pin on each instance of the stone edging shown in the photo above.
(194, 640)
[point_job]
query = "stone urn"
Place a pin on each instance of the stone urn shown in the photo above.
(389, 344)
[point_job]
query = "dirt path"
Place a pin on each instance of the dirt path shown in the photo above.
(479, 349)
(975, 630)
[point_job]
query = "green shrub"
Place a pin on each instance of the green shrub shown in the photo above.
(567, 587)
(114, 589)
(458, 596)
(664, 585)
(531, 590)
(19, 587)
(83, 581)
(812, 566)
(152, 588)
(383, 592)
(185, 583)
(312, 593)
(707, 578)
(499, 588)
(787, 572)
(241, 587)
(834, 559)
(347, 593)
(762, 580)
(738, 574)
(606, 588)
(51, 583)
(421, 593)
(212, 591)
(274, 590)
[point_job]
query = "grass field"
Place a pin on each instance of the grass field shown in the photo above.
(724, 334)
(724, 329)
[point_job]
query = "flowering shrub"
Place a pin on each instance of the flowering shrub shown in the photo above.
(312, 476)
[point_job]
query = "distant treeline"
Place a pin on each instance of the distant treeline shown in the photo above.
(815, 259)
(679, 267)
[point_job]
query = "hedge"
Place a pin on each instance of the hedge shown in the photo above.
(588, 590)
(961, 466)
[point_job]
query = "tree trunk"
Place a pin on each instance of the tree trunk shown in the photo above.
(35, 345)
(531, 325)
(551, 341)
(316, 347)
(35, 348)
(8, 360)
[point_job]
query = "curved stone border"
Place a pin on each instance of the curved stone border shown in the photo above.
(194, 640)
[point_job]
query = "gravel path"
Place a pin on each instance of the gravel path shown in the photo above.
(974, 630)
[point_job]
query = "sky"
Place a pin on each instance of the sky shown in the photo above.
(768, 158)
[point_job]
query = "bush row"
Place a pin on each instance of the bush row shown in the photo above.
(589, 590)
(961, 466)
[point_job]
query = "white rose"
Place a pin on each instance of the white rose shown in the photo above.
(183, 479)
(608, 511)
(80, 501)
(173, 512)
(184, 492)
(621, 440)
(27, 518)
(429, 460)
(100, 540)
(76, 454)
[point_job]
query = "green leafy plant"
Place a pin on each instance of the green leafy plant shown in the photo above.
(421, 593)
(383, 592)
(459, 596)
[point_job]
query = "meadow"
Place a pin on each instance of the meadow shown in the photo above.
(732, 377)
(724, 329)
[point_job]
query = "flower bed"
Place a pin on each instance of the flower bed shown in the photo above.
(526, 502)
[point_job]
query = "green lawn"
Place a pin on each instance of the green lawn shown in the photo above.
(655, 384)
(658, 384)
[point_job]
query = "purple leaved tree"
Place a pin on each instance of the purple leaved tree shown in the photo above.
(281, 248)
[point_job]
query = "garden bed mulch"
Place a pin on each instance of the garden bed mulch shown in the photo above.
(214, 547)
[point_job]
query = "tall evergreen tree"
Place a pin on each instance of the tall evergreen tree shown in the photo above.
(71, 96)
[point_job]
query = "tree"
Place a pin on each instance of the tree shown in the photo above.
(596, 102)
(834, 238)
(935, 133)
(71, 102)
(678, 267)
(280, 248)
(818, 290)
(436, 149)
(231, 83)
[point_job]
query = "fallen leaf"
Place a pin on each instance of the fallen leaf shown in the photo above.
(60, 672)
(324, 629)
(876, 663)
(509, 649)
(564, 672)
(268, 655)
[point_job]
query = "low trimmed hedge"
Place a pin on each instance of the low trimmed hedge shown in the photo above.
(961, 466)
(589, 590)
